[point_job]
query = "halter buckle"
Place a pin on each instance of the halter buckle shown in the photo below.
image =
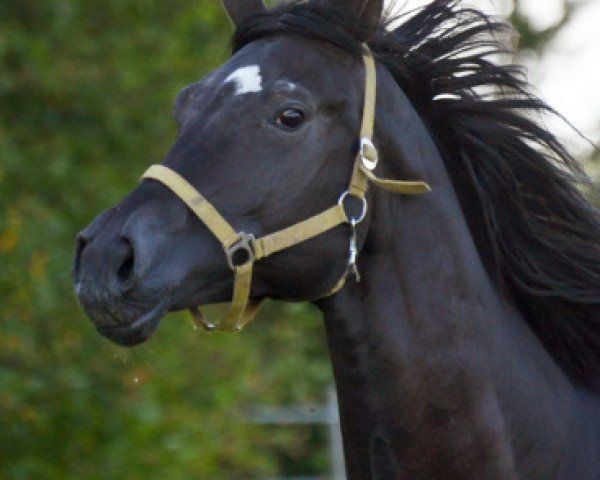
(368, 154)
(243, 244)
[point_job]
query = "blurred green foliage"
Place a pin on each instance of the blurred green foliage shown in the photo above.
(532, 39)
(85, 98)
(85, 106)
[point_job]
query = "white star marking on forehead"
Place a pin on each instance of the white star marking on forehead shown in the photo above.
(247, 80)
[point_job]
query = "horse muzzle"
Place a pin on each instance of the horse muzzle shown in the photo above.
(107, 288)
(112, 277)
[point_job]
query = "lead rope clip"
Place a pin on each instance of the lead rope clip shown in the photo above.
(352, 267)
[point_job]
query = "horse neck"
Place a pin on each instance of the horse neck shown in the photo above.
(437, 374)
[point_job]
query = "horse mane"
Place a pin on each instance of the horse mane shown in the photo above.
(519, 187)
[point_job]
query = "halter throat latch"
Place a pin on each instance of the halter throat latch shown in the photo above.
(242, 250)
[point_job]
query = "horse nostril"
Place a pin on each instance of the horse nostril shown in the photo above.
(125, 271)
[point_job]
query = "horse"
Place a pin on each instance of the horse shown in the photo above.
(393, 172)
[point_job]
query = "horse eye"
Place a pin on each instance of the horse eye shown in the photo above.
(290, 118)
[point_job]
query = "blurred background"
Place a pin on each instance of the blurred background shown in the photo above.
(85, 101)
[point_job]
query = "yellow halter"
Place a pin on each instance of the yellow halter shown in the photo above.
(243, 309)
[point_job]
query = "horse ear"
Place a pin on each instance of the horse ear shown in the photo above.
(238, 10)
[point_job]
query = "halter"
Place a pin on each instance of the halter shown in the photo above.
(252, 249)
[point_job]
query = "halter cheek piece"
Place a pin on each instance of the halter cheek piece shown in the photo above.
(251, 249)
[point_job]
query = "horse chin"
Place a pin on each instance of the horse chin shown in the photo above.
(136, 332)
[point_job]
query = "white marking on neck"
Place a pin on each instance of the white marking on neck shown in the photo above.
(247, 80)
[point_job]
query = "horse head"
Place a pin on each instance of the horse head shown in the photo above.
(269, 139)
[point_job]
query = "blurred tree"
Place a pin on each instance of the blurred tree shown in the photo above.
(85, 101)
(530, 38)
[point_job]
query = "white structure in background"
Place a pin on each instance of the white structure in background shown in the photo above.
(326, 415)
(568, 74)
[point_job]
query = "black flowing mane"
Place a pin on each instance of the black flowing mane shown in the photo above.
(519, 188)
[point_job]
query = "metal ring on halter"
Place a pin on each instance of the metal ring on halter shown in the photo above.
(244, 244)
(368, 154)
(365, 207)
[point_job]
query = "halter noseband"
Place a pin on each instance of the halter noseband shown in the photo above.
(243, 309)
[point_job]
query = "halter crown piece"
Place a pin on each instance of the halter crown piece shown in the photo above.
(243, 309)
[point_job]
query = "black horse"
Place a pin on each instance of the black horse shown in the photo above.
(470, 349)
